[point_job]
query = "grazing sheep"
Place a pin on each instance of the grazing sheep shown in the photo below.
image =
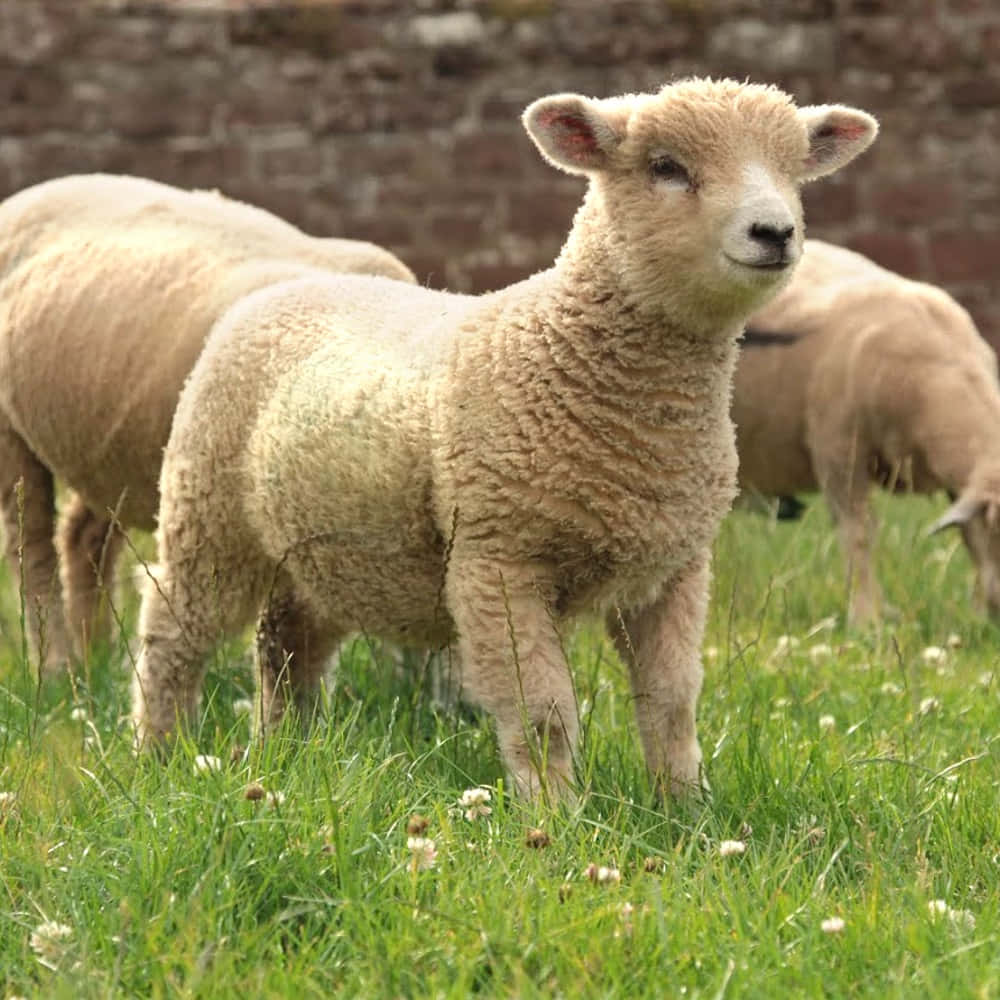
(350, 454)
(108, 289)
(855, 375)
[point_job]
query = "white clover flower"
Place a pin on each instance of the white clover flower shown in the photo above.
(626, 913)
(423, 851)
(602, 874)
(275, 799)
(786, 643)
(79, 714)
(8, 800)
(827, 722)
(953, 641)
(820, 651)
(891, 687)
(728, 848)
(832, 925)
(243, 706)
(48, 942)
(963, 920)
(959, 919)
(474, 801)
(929, 705)
(205, 764)
(934, 654)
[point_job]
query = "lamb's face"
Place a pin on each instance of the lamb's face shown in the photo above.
(976, 513)
(699, 184)
(982, 538)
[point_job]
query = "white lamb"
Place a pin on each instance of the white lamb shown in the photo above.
(108, 288)
(856, 376)
(353, 454)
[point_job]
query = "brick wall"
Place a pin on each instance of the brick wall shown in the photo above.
(398, 121)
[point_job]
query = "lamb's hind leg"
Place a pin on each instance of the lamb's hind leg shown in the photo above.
(292, 653)
(514, 666)
(27, 499)
(89, 546)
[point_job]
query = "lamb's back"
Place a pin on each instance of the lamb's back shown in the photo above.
(108, 288)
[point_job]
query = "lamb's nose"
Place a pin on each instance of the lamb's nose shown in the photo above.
(773, 237)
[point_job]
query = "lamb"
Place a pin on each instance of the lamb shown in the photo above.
(430, 467)
(856, 376)
(108, 288)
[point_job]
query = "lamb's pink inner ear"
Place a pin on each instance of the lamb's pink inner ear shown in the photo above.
(836, 136)
(828, 139)
(572, 135)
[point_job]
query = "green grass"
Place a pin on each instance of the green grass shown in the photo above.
(174, 884)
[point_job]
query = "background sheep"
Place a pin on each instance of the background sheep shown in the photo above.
(854, 375)
(108, 288)
(426, 466)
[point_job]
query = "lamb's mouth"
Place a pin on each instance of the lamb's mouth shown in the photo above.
(765, 265)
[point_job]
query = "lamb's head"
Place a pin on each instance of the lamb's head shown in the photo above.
(694, 191)
(976, 513)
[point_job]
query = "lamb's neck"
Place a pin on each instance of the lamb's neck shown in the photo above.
(631, 339)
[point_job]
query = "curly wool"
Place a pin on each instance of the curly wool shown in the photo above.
(109, 286)
(856, 376)
(430, 467)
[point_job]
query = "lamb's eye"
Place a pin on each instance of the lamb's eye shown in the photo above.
(665, 168)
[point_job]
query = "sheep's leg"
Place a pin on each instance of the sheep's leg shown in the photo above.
(847, 497)
(292, 652)
(190, 604)
(27, 498)
(89, 546)
(661, 646)
(513, 665)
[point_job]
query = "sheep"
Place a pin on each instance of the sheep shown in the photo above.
(853, 376)
(108, 288)
(432, 467)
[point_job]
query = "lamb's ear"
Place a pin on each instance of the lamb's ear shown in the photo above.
(963, 510)
(836, 135)
(573, 133)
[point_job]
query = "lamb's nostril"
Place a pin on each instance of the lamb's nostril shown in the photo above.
(773, 236)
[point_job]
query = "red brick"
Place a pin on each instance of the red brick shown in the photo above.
(490, 277)
(899, 252)
(829, 201)
(965, 256)
(919, 200)
(488, 153)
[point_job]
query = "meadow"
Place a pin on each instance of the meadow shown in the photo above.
(850, 845)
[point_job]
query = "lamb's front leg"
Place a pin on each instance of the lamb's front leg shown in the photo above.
(514, 666)
(661, 645)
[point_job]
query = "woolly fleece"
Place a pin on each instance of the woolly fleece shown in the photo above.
(351, 454)
(884, 381)
(109, 286)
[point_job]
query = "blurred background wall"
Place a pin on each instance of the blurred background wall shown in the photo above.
(399, 121)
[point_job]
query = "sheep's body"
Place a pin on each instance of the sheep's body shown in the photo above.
(433, 467)
(109, 286)
(854, 375)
